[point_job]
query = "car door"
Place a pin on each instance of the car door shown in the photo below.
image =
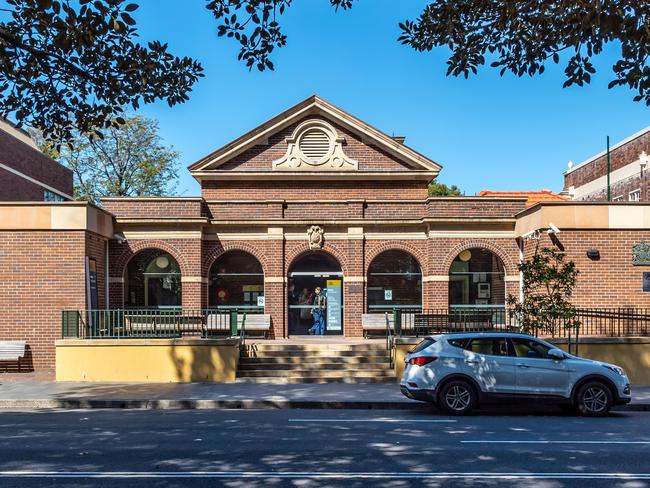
(486, 360)
(536, 373)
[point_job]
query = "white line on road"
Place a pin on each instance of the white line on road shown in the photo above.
(555, 442)
(320, 475)
(429, 421)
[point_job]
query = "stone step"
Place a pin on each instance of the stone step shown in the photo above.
(312, 353)
(317, 347)
(320, 379)
(349, 360)
(311, 366)
(299, 373)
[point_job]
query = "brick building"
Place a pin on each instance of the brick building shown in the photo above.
(312, 198)
(26, 173)
(629, 181)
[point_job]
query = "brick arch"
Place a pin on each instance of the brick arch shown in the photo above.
(414, 251)
(303, 248)
(134, 248)
(223, 248)
(510, 268)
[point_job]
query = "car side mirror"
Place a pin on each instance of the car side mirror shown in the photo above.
(556, 353)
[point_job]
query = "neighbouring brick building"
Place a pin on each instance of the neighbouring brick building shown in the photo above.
(311, 198)
(26, 173)
(629, 181)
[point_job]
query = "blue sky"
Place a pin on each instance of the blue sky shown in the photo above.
(488, 132)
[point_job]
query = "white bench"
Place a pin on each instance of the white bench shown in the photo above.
(12, 351)
(376, 322)
(255, 322)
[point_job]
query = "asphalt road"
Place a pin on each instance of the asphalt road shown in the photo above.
(305, 448)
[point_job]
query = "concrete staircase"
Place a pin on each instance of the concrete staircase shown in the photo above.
(315, 363)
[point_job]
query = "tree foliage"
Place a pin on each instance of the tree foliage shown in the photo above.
(548, 282)
(67, 66)
(130, 160)
(75, 65)
(441, 190)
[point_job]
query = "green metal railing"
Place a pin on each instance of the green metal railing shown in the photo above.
(152, 323)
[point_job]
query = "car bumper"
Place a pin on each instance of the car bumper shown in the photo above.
(625, 398)
(418, 394)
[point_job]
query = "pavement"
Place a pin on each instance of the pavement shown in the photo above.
(51, 394)
(320, 448)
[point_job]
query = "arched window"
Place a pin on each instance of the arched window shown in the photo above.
(153, 280)
(394, 281)
(477, 280)
(236, 281)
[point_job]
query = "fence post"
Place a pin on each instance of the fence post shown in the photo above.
(397, 321)
(233, 323)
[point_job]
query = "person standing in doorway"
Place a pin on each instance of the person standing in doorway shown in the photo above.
(318, 312)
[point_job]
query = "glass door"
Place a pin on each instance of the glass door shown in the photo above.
(302, 295)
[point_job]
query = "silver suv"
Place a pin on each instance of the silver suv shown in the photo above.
(460, 371)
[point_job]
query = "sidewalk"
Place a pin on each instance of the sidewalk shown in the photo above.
(50, 394)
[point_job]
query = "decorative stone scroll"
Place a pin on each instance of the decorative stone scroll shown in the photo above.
(641, 254)
(315, 146)
(316, 238)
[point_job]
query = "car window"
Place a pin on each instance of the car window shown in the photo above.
(529, 348)
(423, 345)
(491, 346)
(457, 342)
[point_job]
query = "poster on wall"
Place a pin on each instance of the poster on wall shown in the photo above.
(388, 295)
(91, 283)
(334, 304)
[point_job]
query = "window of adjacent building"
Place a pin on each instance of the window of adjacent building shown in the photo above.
(477, 280)
(153, 280)
(394, 281)
(50, 196)
(618, 198)
(635, 196)
(236, 281)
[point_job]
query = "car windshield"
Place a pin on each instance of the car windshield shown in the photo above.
(423, 345)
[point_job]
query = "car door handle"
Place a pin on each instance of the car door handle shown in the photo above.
(523, 366)
(471, 361)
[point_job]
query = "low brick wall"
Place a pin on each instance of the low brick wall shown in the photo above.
(631, 353)
(147, 360)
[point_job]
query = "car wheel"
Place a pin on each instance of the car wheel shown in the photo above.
(594, 399)
(457, 398)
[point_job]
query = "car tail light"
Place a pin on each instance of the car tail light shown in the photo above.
(422, 360)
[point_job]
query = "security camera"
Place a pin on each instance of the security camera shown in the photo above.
(119, 238)
(532, 235)
(553, 229)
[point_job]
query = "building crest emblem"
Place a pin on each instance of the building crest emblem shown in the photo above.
(316, 239)
(641, 254)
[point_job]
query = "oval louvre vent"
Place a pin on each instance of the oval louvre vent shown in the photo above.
(314, 144)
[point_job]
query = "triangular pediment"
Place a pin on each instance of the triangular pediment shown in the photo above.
(315, 136)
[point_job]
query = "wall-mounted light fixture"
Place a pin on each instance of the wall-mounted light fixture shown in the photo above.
(593, 254)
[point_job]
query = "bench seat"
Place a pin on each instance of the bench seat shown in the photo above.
(12, 351)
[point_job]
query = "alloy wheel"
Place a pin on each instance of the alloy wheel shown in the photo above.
(595, 399)
(458, 398)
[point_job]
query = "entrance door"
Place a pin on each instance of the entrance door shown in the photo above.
(315, 270)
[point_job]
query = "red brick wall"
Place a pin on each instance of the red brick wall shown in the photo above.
(31, 162)
(619, 157)
(260, 157)
(611, 281)
(43, 272)
(308, 190)
(153, 208)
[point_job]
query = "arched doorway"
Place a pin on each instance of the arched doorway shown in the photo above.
(315, 269)
(394, 281)
(236, 281)
(477, 284)
(153, 280)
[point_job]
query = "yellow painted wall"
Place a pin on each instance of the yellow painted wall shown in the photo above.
(631, 354)
(147, 360)
(633, 357)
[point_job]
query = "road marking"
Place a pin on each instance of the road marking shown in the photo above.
(555, 442)
(430, 421)
(320, 475)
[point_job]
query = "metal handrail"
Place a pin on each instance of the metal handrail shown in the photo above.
(390, 343)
